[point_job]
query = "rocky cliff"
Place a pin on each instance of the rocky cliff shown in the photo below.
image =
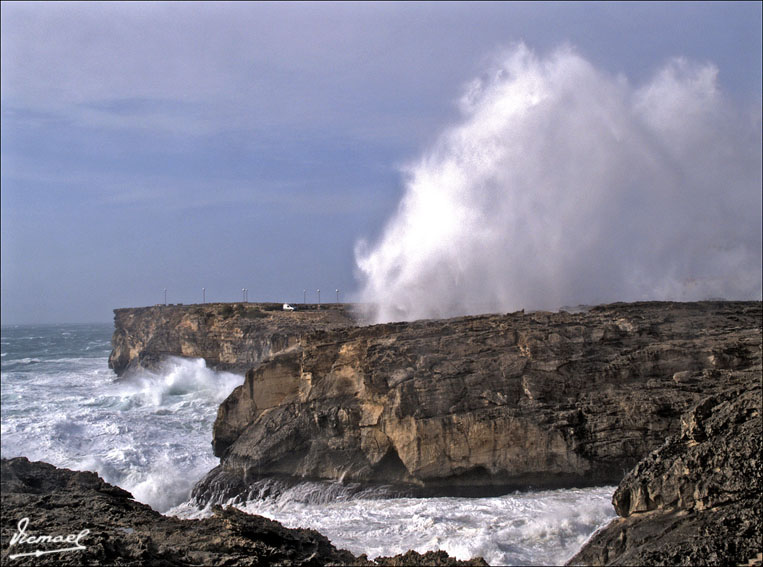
(229, 336)
(489, 402)
(698, 500)
(108, 527)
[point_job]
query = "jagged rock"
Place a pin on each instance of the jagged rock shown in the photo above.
(124, 532)
(412, 558)
(481, 403)
(698, 500)
(229, 336)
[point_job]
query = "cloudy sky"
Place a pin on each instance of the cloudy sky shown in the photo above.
(252, 145)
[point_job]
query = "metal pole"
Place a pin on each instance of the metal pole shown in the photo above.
(319, 297)
(203, 295)
(304, 296)
(337, 296)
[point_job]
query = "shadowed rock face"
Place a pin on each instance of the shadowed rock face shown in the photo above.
(229, 336)
(484, 403)
(698, 500)
(124, 532)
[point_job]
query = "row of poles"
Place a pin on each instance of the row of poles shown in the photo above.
(304, 296)
(245, 295)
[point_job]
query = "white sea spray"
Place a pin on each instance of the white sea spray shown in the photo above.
(564, 184)
(523, 528)
(149, 433)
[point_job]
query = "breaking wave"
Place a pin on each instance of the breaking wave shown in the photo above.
(564, 184)
(149, 433)
(524, 528)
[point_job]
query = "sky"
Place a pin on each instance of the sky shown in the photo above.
(181, 146)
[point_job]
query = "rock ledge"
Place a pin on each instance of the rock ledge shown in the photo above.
(125, 532)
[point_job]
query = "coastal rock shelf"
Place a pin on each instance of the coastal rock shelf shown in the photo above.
(668, 391)
(229, 336)
(483, 403)
(698, 500)
(113, 529)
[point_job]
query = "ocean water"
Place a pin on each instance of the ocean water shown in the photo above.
(151, 434)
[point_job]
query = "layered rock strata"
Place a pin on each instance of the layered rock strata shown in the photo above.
(229, 336)
(107, 527)
(698, 500)
(482, 403)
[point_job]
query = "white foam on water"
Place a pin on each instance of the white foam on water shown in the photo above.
(27, 360)
(149, 433)
(523, 528)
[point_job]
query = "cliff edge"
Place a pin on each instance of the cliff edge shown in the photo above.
(483, 403)
(698, 500)
(229, 336)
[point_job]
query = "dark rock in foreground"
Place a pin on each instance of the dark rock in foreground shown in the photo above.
(122, 531)
(698, 500)
(482, 403)
(125, 532)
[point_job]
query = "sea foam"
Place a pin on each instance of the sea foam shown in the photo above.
(523, 528)
(149, 433)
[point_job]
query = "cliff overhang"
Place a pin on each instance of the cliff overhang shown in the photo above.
(541, 400)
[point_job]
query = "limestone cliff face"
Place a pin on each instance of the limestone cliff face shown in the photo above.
(538, 399)
(698, 500)
(229, 336)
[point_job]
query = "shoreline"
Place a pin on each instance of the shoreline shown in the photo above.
(731, 352)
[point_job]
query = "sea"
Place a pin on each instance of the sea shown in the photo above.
(151, 434)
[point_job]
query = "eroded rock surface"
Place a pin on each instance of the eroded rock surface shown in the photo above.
(488, 402)
(698, 500)
(229, 336)
(59, 502)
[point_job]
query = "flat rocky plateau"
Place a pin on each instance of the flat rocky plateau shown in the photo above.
(229, 336)
(483, 404)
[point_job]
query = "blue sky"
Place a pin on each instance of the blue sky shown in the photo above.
(251, 145)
